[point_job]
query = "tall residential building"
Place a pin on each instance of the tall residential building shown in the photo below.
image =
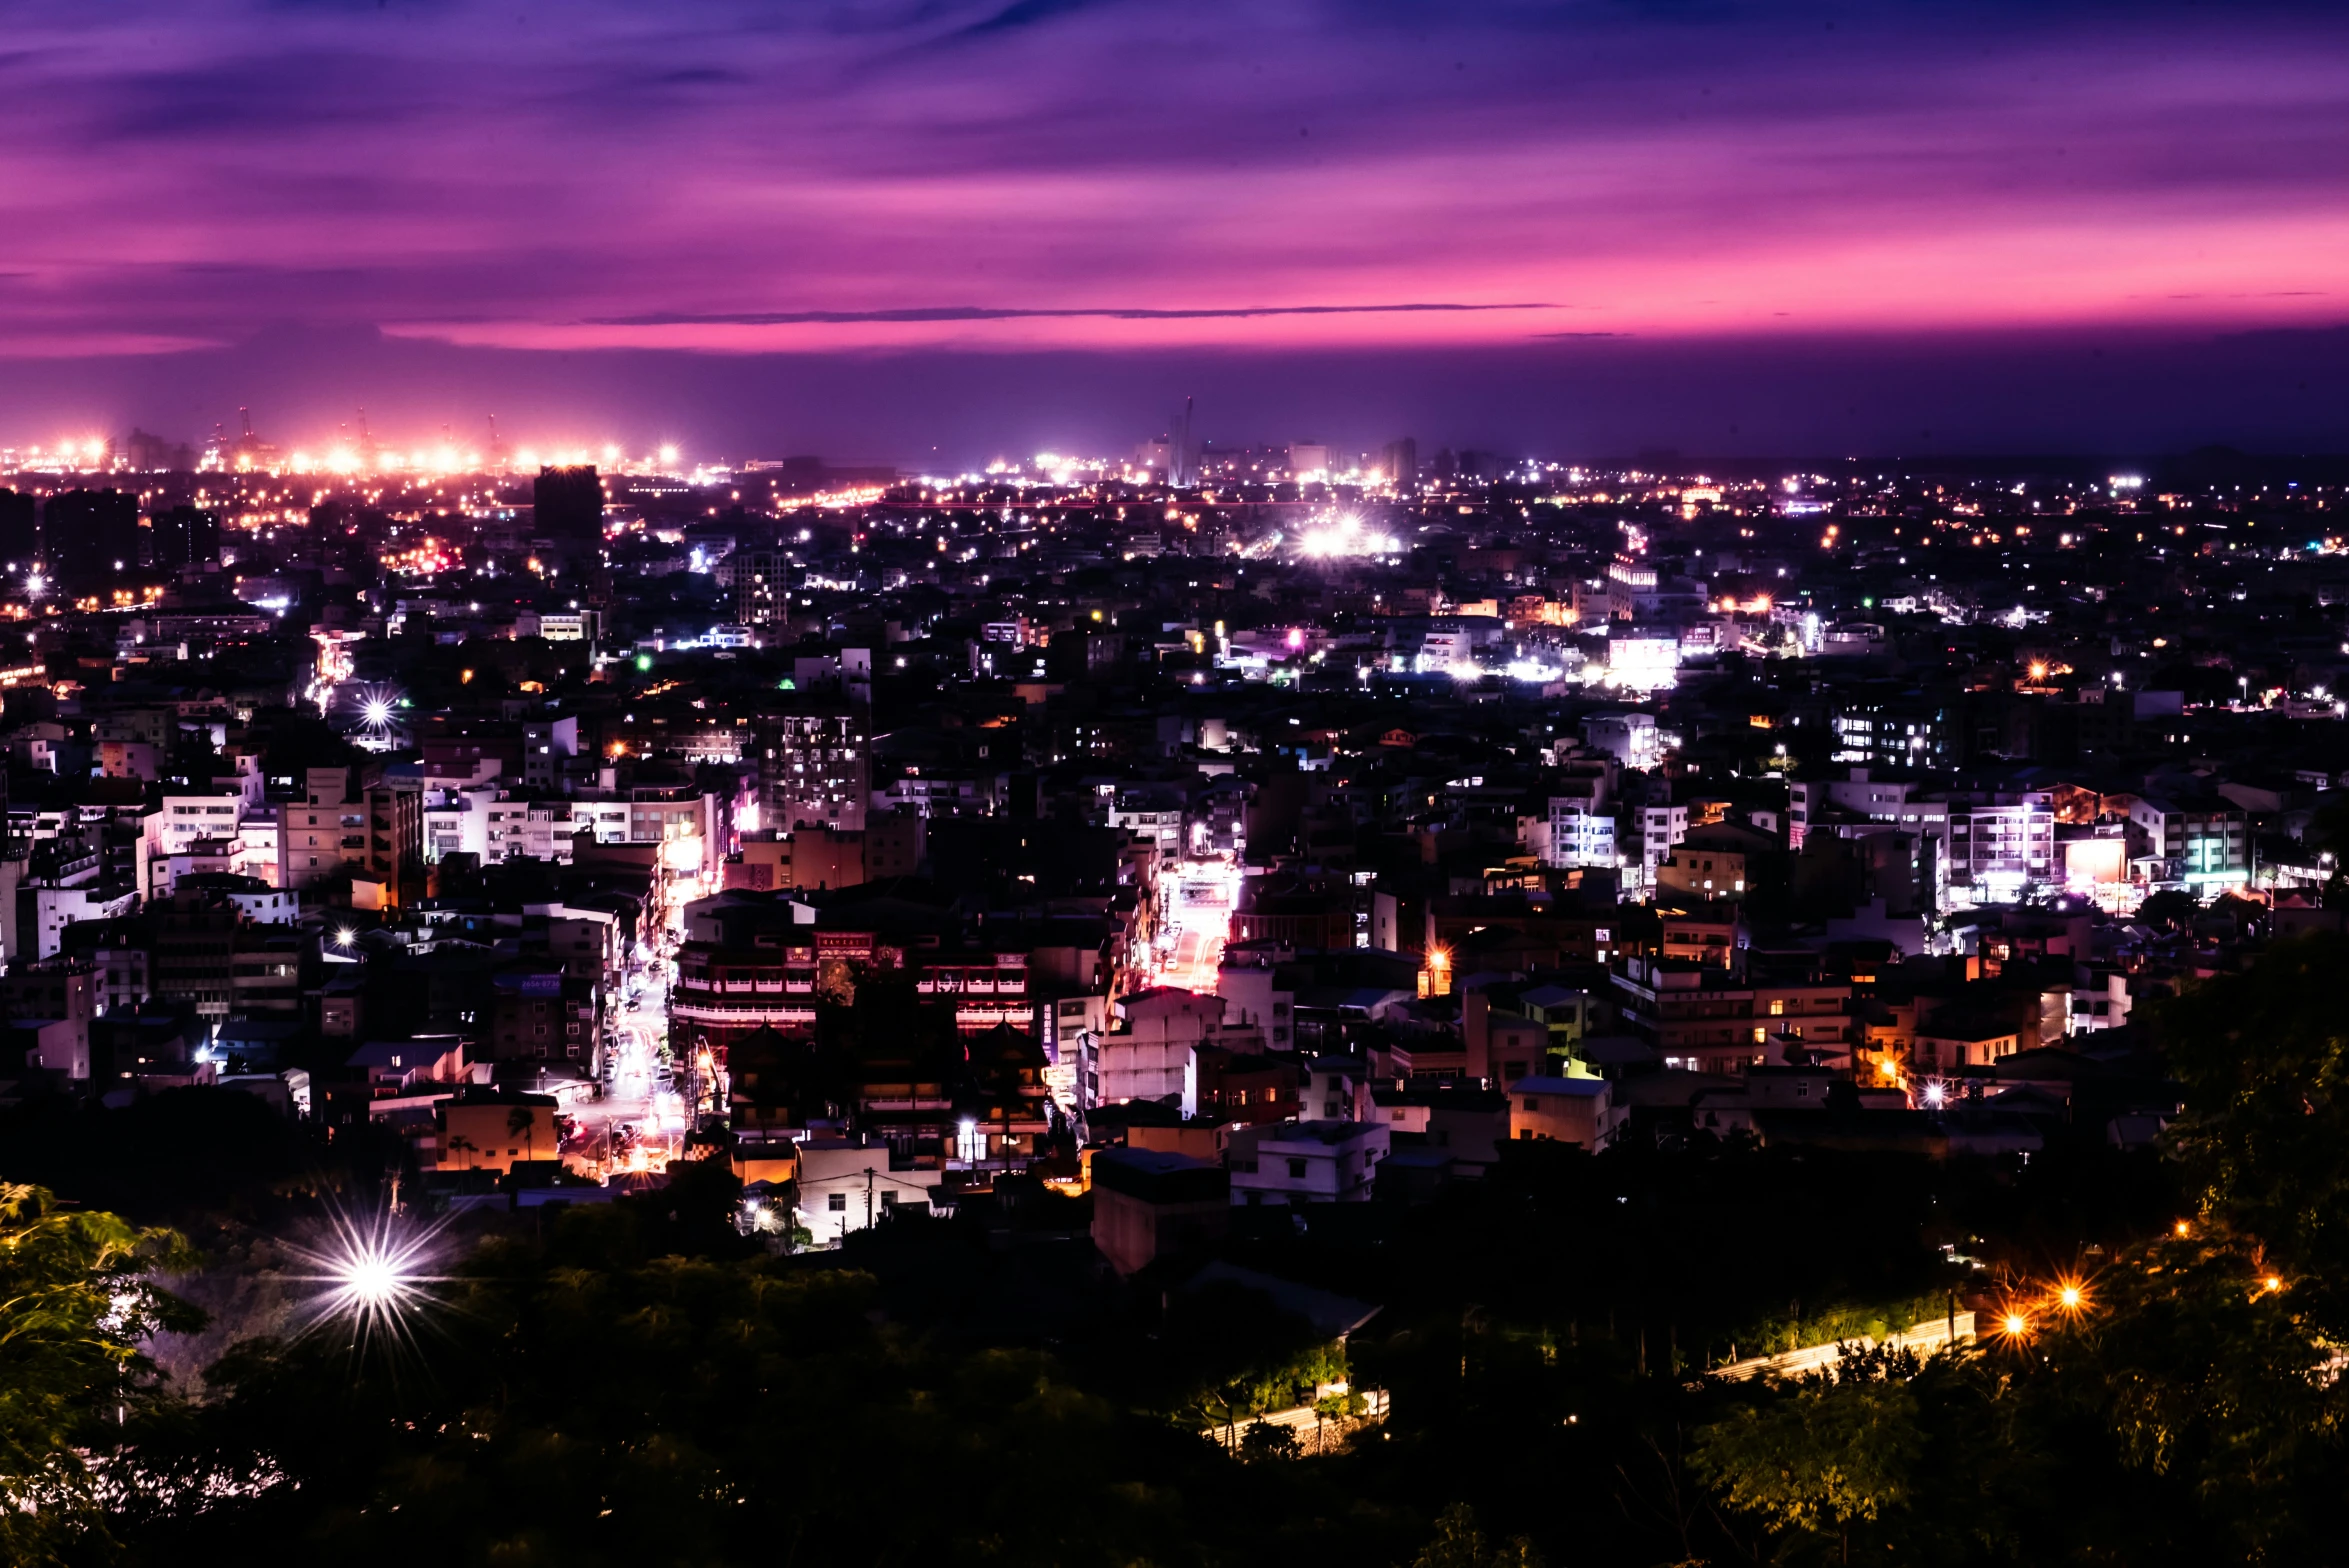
(762, 588)
(377, 831)
(815, 767)
(20, 538)
(2197, 845)
(85, 533)
(1580, 834)
(183, 536)
(568, 503)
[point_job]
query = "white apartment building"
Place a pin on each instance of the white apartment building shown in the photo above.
(198, 814)
(1998, 851)
(1646, 836)
(1163, 824)
(1630, 738)
(1580, 836)
(1987, 849)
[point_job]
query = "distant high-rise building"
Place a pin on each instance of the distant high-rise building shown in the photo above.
(151, 452)
(20, 535)
(1308, 459)
(85, 533)
(569, 503)
(815, 767)
(1400, 462)
(183, 536)
(762, 588)
(1182, 451)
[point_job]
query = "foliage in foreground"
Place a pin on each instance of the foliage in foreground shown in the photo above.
(77, 1299)
(630, 1387)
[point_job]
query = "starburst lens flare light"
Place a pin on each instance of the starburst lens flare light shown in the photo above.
(373, 1281)
(376, 1278)
(377, 708)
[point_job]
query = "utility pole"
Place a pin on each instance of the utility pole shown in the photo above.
(868, 1197)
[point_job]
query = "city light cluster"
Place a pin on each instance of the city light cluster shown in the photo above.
(1344, 538)
(344, 457)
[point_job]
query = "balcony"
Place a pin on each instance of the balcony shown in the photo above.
(746, 1013)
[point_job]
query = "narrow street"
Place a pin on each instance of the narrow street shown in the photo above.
(640, 1122)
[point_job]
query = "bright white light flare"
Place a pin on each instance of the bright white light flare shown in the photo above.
(377, 1277)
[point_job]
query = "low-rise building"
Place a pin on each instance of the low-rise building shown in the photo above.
(848, 1184)
(485, 1129)
(1148, 1204)
(1562, 1110)
(1307, 1162)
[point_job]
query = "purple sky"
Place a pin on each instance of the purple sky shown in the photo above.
(871, 229)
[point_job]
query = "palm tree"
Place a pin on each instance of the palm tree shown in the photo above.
(460, 1144)
(520, 1123)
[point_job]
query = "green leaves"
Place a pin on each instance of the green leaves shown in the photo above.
(1818, 1461)
(1459, 1543)
(77, 1296)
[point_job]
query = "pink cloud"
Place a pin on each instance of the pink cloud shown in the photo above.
(585, 177)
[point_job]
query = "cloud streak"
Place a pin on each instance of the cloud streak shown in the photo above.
(716, 176)
(930, 313)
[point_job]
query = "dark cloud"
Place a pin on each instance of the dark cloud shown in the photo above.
(1023, 14)
(2119, 393)
(942, 313)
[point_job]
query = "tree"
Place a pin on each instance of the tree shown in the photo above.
(1267, 1441)
(520, 1123)
(1460, 1543)
(2263, 1056)
(1817, 1462)
(2169, 908)
(77, 1296)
